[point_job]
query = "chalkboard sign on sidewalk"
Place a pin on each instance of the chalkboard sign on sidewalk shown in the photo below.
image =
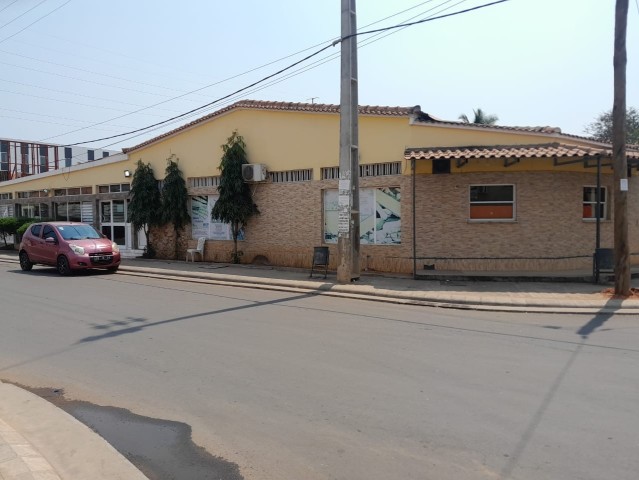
(320, 259)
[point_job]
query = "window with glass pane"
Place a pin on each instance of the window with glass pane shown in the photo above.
(60, 210)
(74, 211)
(590, 203)
(118, 211)
(44, 210)
(492, 202)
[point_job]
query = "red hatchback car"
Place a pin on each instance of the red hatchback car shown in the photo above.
(68, 246)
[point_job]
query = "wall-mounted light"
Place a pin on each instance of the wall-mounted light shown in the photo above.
(127, 173)
(46, 191)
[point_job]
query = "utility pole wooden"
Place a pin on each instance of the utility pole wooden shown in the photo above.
(348, 194)
(622, 250)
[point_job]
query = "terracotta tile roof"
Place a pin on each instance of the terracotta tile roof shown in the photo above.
(281, 106)
(414, 112)
(511, 151)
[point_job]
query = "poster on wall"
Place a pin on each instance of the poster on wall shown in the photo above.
(201, 223)
(331, 216)
(200, 217)
(380, 216)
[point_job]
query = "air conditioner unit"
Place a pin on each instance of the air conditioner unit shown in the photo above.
(254, 172)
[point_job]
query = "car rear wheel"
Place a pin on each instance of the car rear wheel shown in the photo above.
(25, 263)
(63, 266)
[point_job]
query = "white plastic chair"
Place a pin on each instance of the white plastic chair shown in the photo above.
(199, 250)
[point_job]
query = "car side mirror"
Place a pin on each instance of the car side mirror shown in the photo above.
(50, 240)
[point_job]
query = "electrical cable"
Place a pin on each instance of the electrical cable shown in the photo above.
(423, 21)
(2, 10)
(84, 80)
(36, 21)
(300, 71)
(291, 66)
(66, 92)
(74, 103)
(38, 114)
(238, 75)
(22, 14)
(102, 74)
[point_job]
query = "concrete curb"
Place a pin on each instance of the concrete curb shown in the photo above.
(46, 443)
(456, 300)
(464, 301)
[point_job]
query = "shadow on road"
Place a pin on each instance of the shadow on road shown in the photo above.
(139, 328)
(597, 321)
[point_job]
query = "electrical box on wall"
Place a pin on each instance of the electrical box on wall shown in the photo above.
(254, 172)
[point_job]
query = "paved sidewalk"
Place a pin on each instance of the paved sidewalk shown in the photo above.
(546, 297)
(38, 441)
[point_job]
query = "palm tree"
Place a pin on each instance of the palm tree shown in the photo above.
(480, 117)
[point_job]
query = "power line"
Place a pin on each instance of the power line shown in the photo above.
(102, 74)
(66, 92)
(21, 15)
(36, 21)
(404, 25)
(83, 80)
(38, 114)
(14, 1)
(295, 73)
(234, 76)
(71, 102)
(288, 68)
(51, 123)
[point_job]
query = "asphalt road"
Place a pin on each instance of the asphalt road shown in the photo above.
(297, 386)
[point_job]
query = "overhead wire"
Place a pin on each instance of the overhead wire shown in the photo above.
(237, 75)
(264, 79)
(101, 74)
(7, 6)
(61, 75)
(36, 21)
(74, 103)
(21, 15)
(67, 92)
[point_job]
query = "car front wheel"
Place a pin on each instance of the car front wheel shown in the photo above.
(25, 263)
(63, 266)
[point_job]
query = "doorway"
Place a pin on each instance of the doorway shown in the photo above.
(113, 215)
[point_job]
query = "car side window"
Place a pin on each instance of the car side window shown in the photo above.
(48, 232)
(35, 230)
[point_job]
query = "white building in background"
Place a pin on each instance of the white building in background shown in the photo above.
(21, 158)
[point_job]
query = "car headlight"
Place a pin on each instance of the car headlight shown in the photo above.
(115, 247)
(76, 249)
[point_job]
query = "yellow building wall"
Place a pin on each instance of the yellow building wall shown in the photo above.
(77, 176)
(291, 140)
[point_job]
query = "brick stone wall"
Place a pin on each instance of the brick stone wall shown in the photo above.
(547, 230)
(547, 234)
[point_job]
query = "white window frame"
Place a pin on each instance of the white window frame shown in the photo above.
(604, 203)
(493, 220)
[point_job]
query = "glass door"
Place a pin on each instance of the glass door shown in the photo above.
(113, 221)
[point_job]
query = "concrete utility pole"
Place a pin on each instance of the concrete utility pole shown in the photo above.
(348, 194)
(622, 250)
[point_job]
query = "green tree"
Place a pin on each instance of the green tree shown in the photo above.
(8, 226)
(175, 208)
(480, 117)
(235, 203)
(601, 128)
(145, 203)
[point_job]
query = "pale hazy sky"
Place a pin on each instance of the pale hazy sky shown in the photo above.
(67, 65)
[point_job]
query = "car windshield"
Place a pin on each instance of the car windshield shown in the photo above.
(78, 232)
